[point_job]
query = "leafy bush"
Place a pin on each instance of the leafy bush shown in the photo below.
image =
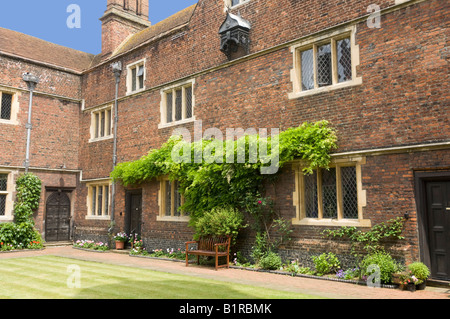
(419, 270)
(270, 261)
(326, 263)
(22, 234)
(295, 268)
(220, 221)
(384, 260)
(19, 236)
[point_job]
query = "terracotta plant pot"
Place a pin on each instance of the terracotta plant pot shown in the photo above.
(120, 245)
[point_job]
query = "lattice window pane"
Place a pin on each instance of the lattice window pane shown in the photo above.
(108, 122)
(133, 79)
(235, 2)
(311, 195)
(324, 77)
(344, 60)
(2, 205)
(349, 192)
(329, 200)
(100, 200)
(307, 60)
(169, 101)
(94, 199)
(168, 190)
(3, 182)
(177, 200)
(5, 106)
(102, 123)
(141, 77)
(178, 105)
(188, 91)
(97, 123)
(106, 200)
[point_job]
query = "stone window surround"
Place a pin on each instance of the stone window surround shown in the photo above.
(298, 197)
(228, 4)
(10, 189)
(89, 199)
(162, 204)
(129, 80)
(309, 42)
(93, 125)
(14, 105)
(163, 124)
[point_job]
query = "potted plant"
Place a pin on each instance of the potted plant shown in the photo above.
(408, 281)
(421, 272)
(120, 239)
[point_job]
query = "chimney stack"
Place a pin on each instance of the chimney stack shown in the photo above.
(122, 18)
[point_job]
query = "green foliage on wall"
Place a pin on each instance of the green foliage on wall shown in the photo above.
(22, 234)
(215, 180)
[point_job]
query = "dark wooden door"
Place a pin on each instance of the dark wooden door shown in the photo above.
(438, 218)
(57, 222)
(134, 213)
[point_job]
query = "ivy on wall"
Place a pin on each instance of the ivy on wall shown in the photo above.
(21, 233)
(208, 184)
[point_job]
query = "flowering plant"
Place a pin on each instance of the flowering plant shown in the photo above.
(121, 237)
(409, 278)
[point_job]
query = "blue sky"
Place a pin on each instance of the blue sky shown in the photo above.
(47, 19)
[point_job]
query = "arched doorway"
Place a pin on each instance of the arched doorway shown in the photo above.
(57, 221)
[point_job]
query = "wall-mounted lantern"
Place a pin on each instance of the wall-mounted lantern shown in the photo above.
(234, 36)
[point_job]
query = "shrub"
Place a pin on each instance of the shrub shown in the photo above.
(326, 263)
(270, 261)
(387, 265)
(419, 270)
(220, 221)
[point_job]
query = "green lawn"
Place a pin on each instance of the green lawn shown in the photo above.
(50, 277)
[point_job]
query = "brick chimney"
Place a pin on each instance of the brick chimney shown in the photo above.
(122, 18)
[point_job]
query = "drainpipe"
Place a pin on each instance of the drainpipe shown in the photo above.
(117, 70)
(32, 81)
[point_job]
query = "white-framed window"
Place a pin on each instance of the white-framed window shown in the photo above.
(177, 104)
(170, 200)
(331, 196)
(98, 200)
(325, 63)
(101, 123)
(136, 77)
(6, 194)
(9, 106)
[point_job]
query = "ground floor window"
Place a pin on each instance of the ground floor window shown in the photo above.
(6, 195)
(3, 193)
(333, 195)
(170, 201)
(98, 199)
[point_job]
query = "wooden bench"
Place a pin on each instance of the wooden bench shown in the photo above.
(215, 246)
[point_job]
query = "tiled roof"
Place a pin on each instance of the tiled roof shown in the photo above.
(153, 32)
(26, 46)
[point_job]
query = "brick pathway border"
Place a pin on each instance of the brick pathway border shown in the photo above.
(316, 287)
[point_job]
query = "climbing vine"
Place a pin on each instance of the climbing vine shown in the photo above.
(21, 233)
(209, 184)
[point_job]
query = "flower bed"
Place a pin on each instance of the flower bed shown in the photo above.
(33, 245)
(91, 245)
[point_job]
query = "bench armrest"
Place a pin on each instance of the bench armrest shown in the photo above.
(221, 244)
(192, 242)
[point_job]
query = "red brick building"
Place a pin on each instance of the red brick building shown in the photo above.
(377, 72)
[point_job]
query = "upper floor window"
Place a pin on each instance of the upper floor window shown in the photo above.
(5, 106)
(328, 62)
(101, 123)
(136, 77)
(9, 106)
(177, 104)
